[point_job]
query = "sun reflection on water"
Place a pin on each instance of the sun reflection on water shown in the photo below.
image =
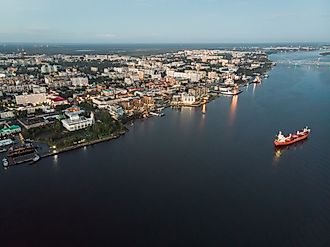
(233, 107)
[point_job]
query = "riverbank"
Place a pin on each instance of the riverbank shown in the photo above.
(57, 140)
(55, 150)
(84, 144)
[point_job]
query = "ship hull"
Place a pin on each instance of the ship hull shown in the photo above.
(230, 93)
(292, 141)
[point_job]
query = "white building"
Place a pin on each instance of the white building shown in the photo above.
(76, 122)
(79, 82)
(116, 111)
(104, 102)
(6, 142)
(7, 114)
(94, 69)
(38, 89)
(212, 75)
(229, 81)
(128, 81)
(33, 99)
(15, 88)
(187, 99)
(190, 75)
(46, 68)
(255, 65)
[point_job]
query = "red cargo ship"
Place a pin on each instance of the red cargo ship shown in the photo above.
(282, 140)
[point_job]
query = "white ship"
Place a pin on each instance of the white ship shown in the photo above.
(5, 162)
(231, 92)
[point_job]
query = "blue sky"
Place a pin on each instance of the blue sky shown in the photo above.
(164, 21)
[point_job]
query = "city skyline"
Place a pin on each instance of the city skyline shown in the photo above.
(165, 123)
(146, 21)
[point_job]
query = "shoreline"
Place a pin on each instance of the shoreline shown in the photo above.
(85, 144)
(49, 150)
(111, 137)
(120, 133)
(53, 152)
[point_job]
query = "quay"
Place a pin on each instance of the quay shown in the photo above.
(84, 144)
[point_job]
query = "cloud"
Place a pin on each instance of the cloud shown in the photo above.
(110, 36)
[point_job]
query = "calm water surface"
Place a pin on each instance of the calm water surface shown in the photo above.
(189, 179)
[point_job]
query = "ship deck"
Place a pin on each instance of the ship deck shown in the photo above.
(21, 159)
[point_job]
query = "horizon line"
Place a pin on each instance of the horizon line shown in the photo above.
(162, 43)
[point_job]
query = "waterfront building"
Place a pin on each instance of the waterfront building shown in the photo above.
(7, 114)
(187, 99)
(198, 92)
(229, 81)
(6, 142)
(33, 122)
(176, 99)
(148, 100)
(13, 129)
(73, 110)
(255, 65)
(116, 111)
(77, 122)
(105, 102)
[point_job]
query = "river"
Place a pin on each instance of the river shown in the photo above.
(189, 178)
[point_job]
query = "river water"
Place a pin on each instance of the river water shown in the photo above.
(189, 179)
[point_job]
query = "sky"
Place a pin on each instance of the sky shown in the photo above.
(164, 21)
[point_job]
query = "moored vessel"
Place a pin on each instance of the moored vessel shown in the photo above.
(160, 114)
(5, 162)
(231, 92)
(300, 135)
(21, 154)
(257, 80)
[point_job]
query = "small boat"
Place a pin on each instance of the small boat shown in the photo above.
(157, 114)
(282, 140)
(231, 92)
(5, 162)
(327, 53)
(36, 158)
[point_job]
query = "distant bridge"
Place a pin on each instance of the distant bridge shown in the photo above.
(303, 62)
